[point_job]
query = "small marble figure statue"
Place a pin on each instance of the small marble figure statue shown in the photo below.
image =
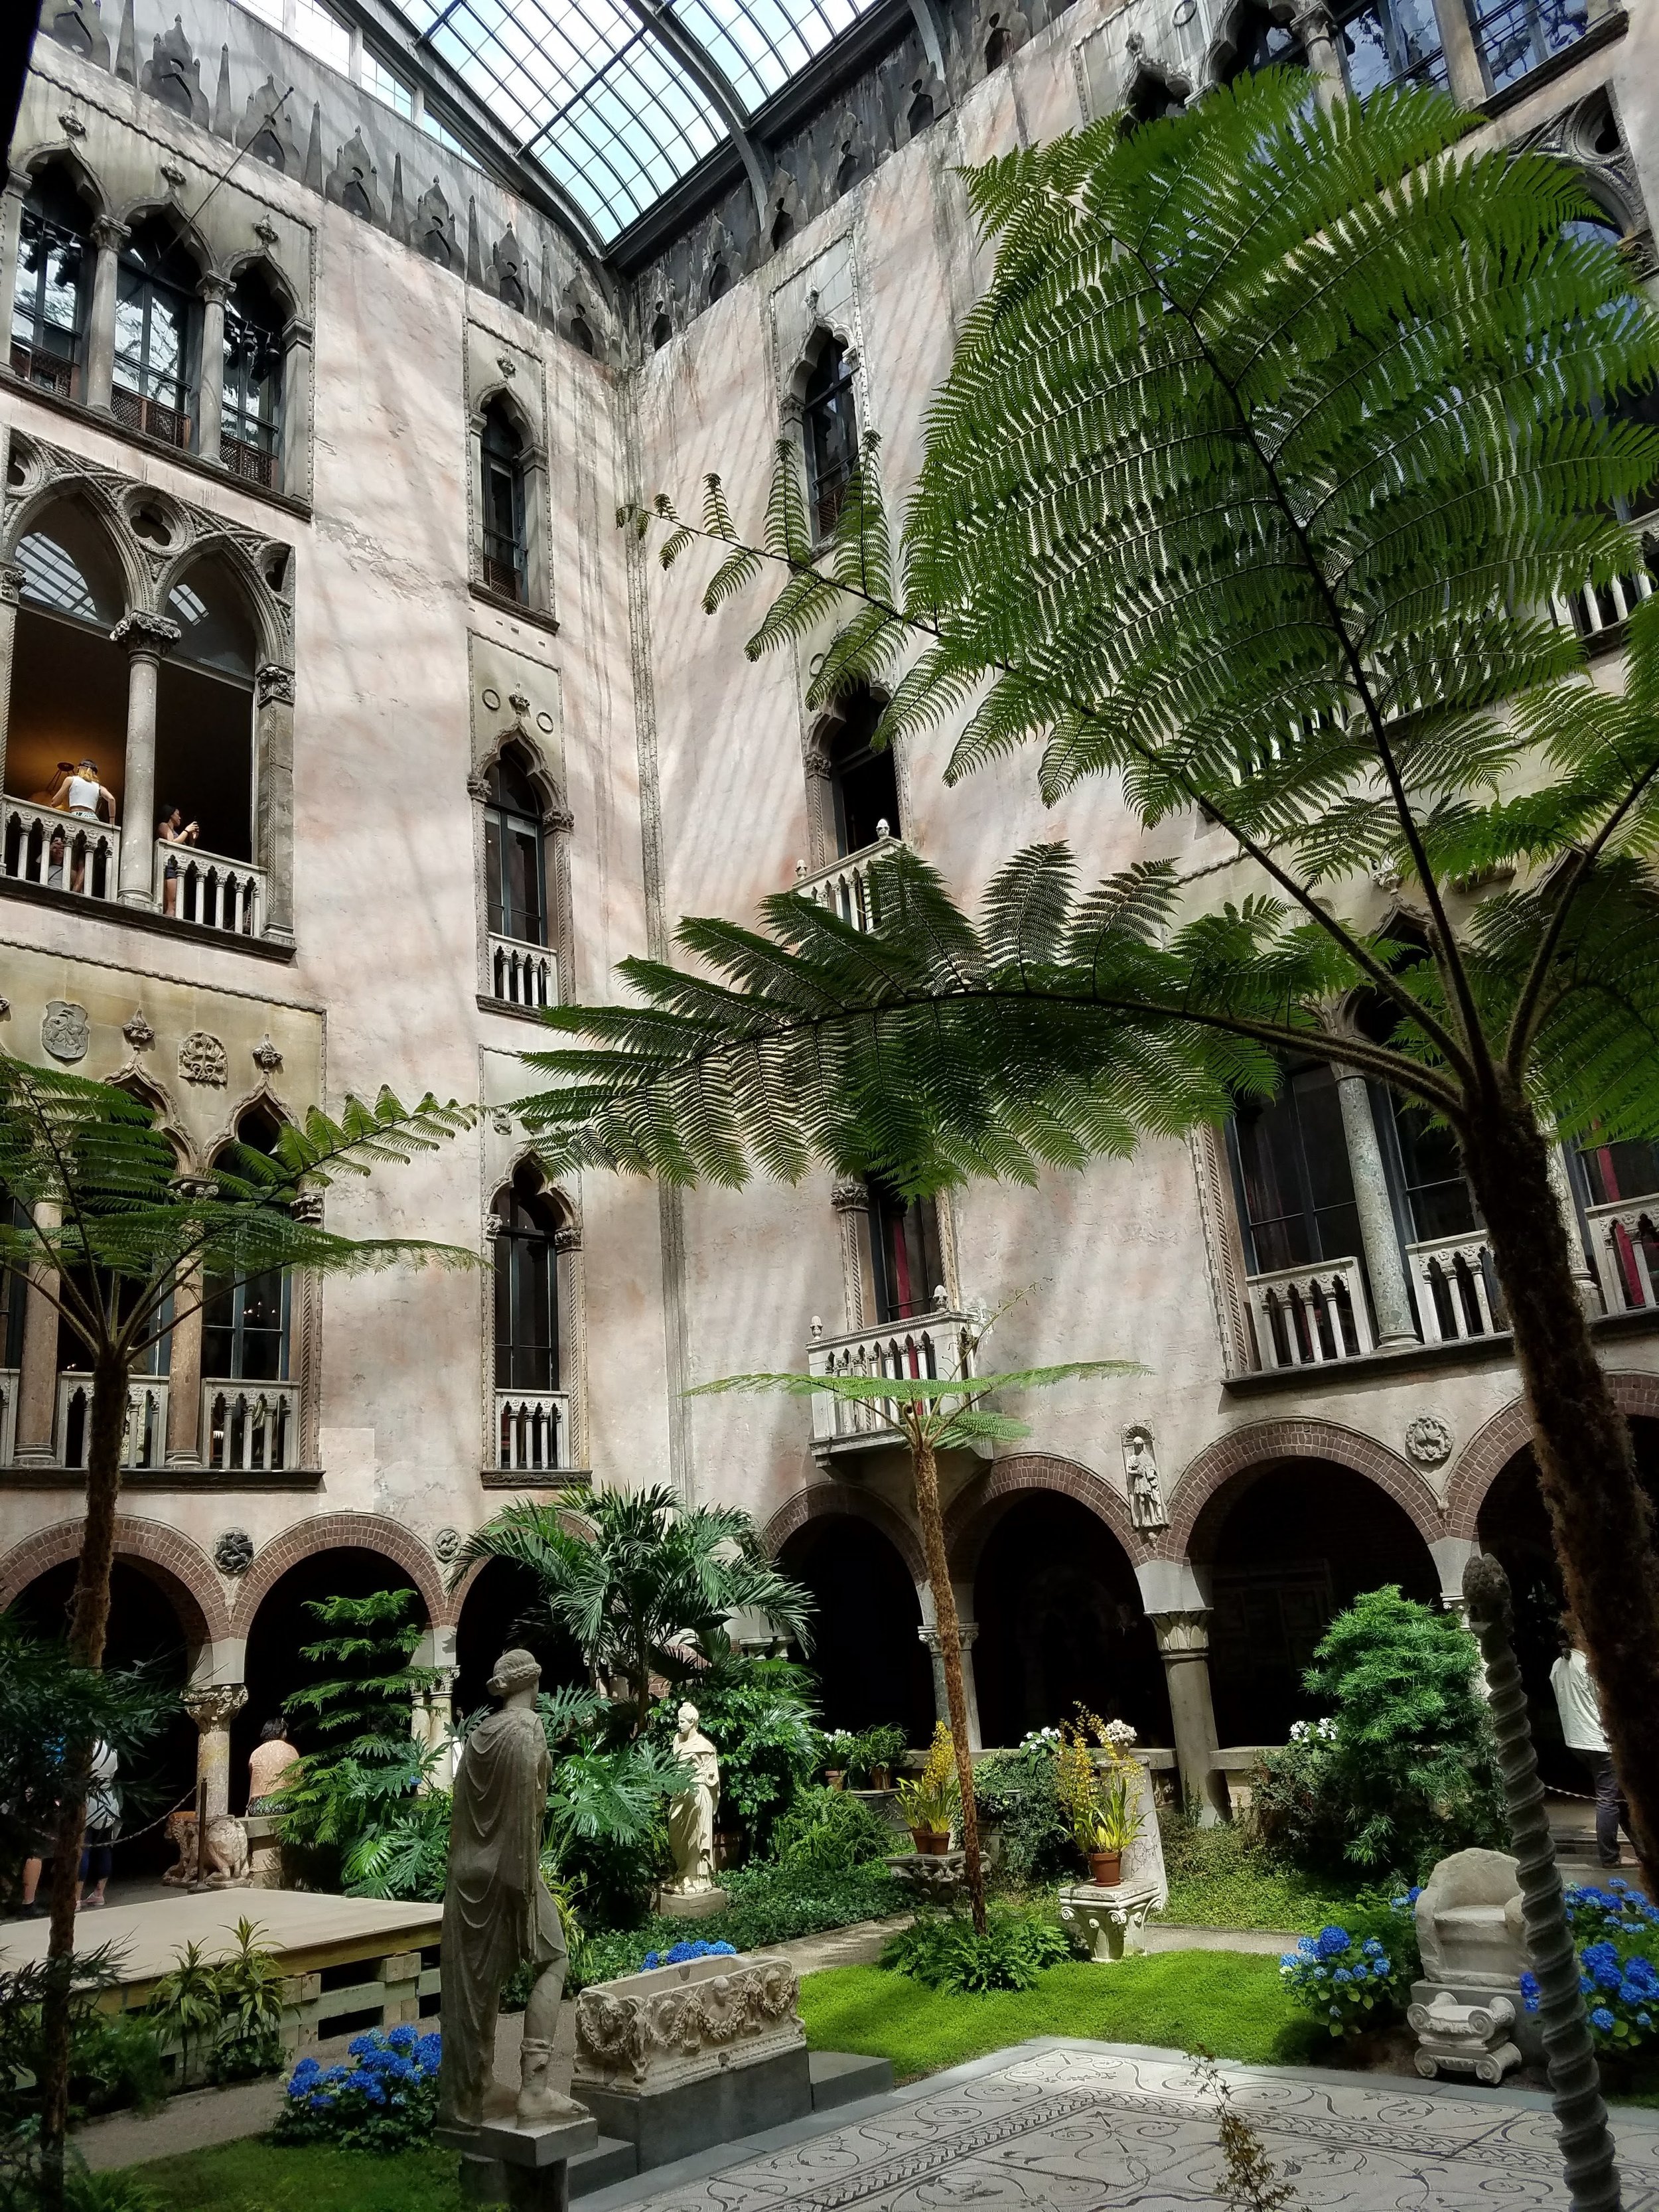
(497, 1910)
(1145, 1495)
(691, 1814)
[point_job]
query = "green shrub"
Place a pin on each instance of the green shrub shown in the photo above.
(761, 1715)
(1016, 1790)
(1355, 1975)
(831, 1832)
(770, 1904)
(115, 2060)
(1404, 1771)
(226, 2013)
(942, 1951)
(882, 1746)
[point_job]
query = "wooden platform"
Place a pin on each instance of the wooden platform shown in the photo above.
(347, 1962)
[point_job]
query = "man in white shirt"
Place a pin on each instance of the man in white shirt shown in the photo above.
(1580, 1708)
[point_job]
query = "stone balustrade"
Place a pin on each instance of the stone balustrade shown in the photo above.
(145, 1438)
(250, 1428)
(523, 975)
(1624, 1241)
(532, 1431)
(1601, 607)
(844, 885)
(1311, 1316)
(58, 851)
(1456, 1282)
(937, 1345)
(210, 890)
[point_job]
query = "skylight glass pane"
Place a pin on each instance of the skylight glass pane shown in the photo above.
(761, 44)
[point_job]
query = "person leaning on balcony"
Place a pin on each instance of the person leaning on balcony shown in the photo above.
(78, 791)
(1580, 1708)
(174, 830)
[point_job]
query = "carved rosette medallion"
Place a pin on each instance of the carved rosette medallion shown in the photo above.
(1428, 1440)
(446, 1547)
(203, 1059)
(234, 1553)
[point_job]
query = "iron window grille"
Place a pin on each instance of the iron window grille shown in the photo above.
(250, 419)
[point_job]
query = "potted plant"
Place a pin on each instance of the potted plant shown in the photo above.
(1102, 1808)
(839, 1747)
(881, 1749)
(931, 1802)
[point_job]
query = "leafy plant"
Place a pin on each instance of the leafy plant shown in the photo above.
(402, 1849)
(23, 1998)
(875, 1751)
(770, 1904)
(933, 1800)
(1102, 1808)
(1348, 1983)
(185, 2005)
(1016, 1790)
(945, 1951)
(836, 1751)
(1616, 1933)
(1406, 1771)
(1252, 2184)
(368, 1681)
(250, 1991)
(760, 1716)
(386, 2100)
(832, 1831)
(648, 1588)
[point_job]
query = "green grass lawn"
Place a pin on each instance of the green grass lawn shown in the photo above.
(1220, 1878)
(1231, 2003)
(256, 2175)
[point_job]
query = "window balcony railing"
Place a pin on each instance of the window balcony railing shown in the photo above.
(844, 885)
(1518, 36)
(210, 890)
(936, 1346)
(1625, 1243)
(523, 975)
(63, 852)
(145, 1438)
(46, 371)
(1311, 1316)
(1455, 1282)
(250, 1428)
(255, 464)
(151, 418)
(1601, 607)
(532, 1432)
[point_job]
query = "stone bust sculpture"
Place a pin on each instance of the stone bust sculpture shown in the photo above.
(691, 1814)
(497, 1910)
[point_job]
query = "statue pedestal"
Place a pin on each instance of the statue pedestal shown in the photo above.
(525, 2165)
(691, 1904)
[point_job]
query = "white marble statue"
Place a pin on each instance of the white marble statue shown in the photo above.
(1145, 1494)
(691, 1814)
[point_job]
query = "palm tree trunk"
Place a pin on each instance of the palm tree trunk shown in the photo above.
(1602, 1523)
(87, 1629)
(924, 1468)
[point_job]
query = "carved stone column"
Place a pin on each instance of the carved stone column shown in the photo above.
(213, 1711)
(820, 810)
(1377, 1233)
(294, 453)
(1465, 75)
(11, 223)
(11, 585)
(273, 733)
(37, 1377)
(968, 1632)
(108, 237)
(185, 1376)
(144, 638)
(210, 402)
(1589, 1295)
(1184, 1646)
(1314, 28)
(851, 1200)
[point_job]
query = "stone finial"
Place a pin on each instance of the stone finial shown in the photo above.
(883, 829)
(71, 124)
(137, 1031)
(267, 233)
(266, 1056)
(941, 1297)
(816, 1331)
(173, 174)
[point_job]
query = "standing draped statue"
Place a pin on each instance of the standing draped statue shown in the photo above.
(497, 1910)
(691, 1814)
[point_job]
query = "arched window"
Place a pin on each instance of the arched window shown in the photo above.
(504, 562)
(720, 282)
(515, 868)
(863, 781)
(204, 753)
(1295, 1184)
(245, 1326)
(527, 1288)
(906, 1260)
(158, 329)
(829, 429)
(250, 437)
(50, 294)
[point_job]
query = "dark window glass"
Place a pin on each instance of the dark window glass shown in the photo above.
(1388, 39)
(863, 782)
(905, 1252)
(157, 336)
(527, 1293)
(251, 425)
(503, 505)
(49, 296)
(1517, 36)
(1294, 1181)
(515, 866)
(830, 427)
(1628, 1169)
(245, 1325)
(1438, 1199)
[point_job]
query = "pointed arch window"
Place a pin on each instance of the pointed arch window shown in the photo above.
(1294, 1182)
(831, 431)
(51, 287)
(906, 1261)
(158, 336)
(246, 1325)
(515, 858)
(250, 438)
(863, 781)
(505, 563)
(527, 1287)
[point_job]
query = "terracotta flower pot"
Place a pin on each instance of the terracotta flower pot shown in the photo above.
(931, 1843)
(1105, 1868)
(880, 1778)
(836, 1776)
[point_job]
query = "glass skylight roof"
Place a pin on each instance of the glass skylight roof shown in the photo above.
(585, 90)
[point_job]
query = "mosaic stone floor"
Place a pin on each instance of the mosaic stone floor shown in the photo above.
(1078, 2128)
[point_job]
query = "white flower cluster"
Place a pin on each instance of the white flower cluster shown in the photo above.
(1313, 1731)
(1121, 1735)
(1037, 1739)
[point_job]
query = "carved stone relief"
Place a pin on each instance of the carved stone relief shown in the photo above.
(203, 1059)
(234, 1553)
(65, 1030)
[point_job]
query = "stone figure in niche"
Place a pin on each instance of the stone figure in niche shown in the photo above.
(691, 1814)
(1145, 1492)
(497, 1911)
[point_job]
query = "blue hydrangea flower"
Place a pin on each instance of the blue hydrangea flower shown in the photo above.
(1529, 1992)
(1342, 1974)
(1602, 2018)
(1373, 1946)
(1333, 1941)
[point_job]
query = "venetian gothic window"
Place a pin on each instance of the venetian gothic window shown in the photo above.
(250, 437)
(907, 1262)
(52, 287)
(1259, 40)
(527, 1351)
(158, 336)
(246, 1326)
(1295, 1185)
(515, 858)
(863, 782)
(505, 563)
(204, 724)
(829, 433)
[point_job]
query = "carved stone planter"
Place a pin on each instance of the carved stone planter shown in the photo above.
(1109, 1923)
(933, 1877)
(682, 2057)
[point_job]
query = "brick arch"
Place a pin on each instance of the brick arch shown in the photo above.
(1263, 1441)
(179, 1567)
(1492, 1447)
(975, 1511)
(819, 1501)
(344, 1531)
(573, 1523)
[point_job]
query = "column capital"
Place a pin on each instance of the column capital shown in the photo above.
(213, 290)
(216, 1706)
(850, 1195)
(141, 633)
(967, 1632)
(13, 577)
(106, 232)
(1182, 1635)
(274, 682)
(18, 182)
